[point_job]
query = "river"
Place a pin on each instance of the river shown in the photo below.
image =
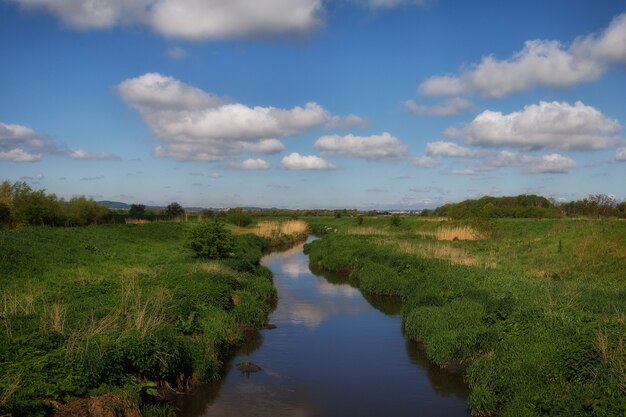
(334, 352)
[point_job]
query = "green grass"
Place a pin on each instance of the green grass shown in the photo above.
(90, 310)
(540, 325)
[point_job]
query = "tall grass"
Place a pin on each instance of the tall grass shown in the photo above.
(458, 233)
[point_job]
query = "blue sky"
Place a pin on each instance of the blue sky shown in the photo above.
(304, 103)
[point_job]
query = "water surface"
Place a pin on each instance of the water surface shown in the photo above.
(335, 352)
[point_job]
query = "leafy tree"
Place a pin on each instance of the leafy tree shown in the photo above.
(210, 240)
(137, 210)
(174, 210)
(395, 220)
(239, 217)
(359, 219)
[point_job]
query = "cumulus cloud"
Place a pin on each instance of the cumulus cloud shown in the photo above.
(539, 63)
(450, 149)
(449, 107)
(620, 154)
(549, 125)
(552, 163)
(200, 126)
(383, 147)
(425, 162)
(21, 144)
(190, 19)
(295, 161)
(251, 164)
(91, 156)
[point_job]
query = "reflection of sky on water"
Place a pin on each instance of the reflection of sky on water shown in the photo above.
(332, 354)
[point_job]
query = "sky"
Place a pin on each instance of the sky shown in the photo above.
(367, 104)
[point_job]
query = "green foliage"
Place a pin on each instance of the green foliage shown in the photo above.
(86, 311)
(174, 210)
(395, 220)
(137, 210)
(532, 346)
(359, 219)
(20, 204)
(239, 217)
(210, 240)
(521, 206)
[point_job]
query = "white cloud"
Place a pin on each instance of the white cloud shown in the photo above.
(552, 163)
(539, 63)
(549, 125)
(466, 171)
(19, 155)
(176, 52)
(92, 156)
(295, 161)
(252, 164)
(21, 144)
(375, 147)
(425, 162)
(620, 154)
(448, 107)
(215, 175)
(443, 148)
(348, 121)
(200, 126)
(190, 19)
(389, 4)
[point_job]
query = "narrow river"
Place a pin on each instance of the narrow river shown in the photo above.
(335, 352)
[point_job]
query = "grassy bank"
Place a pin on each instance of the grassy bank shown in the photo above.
(534, 309)
(121, 309)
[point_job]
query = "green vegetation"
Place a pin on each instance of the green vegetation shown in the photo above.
(532, 206)
(119, 309)
(21, 205)
(210, 240)
(535, 310)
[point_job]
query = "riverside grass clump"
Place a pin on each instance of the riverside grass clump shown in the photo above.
(538, 321)
(119, 309)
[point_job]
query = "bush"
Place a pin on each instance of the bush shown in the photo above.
(210, 240)
(238, 217)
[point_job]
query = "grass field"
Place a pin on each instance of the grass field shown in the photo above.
(118, 309)
(534, 309)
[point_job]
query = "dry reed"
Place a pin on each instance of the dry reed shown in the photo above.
(273, 229)
(458, 233)
(454, 255)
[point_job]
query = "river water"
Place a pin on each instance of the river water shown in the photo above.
(334, 352)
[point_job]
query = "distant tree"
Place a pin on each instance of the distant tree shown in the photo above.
(239, 217)
(337, 214)
(603, 205)
(359, 219)
(395, 220)
(137, 210)
(174, 210)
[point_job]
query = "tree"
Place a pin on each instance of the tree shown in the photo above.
(395, 220)
(137, 210)
(174, 210)
(210, 240)
(239, 217)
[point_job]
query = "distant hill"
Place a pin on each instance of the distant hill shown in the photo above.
(114, 204)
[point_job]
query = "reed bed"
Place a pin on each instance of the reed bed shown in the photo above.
(459, 233)
(272, 228)
(454, 255)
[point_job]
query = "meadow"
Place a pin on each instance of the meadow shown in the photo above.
(534, 311)
(124, 313)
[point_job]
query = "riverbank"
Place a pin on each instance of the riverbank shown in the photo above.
(334, 351)
(533, 309)
(121, 310)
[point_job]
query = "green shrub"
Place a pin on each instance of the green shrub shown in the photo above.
(210, 240)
